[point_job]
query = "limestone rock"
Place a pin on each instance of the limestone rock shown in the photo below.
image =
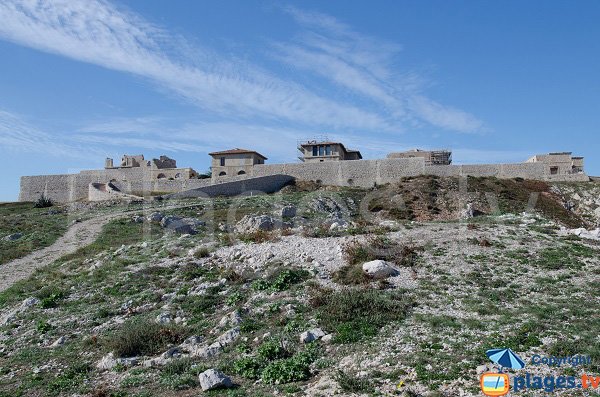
(155, 217)
(379, 269)
(312, 335)
(109, 362)
(229, 337)
(13, 237)
(289, 211)
(59, 342)
(29, 302)
(137, 219)
(255, 223)
(181, 225)
(164, 318)
(213, 379)
(231, 319)
(339, 224)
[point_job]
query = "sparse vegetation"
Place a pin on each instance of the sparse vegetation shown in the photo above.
(143, 337)
(512, 281)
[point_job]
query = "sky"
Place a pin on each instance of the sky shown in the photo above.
(82, 80)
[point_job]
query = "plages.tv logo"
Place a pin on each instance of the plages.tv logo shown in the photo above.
(497, 383)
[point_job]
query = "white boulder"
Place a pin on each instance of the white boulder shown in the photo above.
(379, 269)
(213, 379)
(312, 335)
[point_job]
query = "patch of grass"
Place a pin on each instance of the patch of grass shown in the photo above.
(380, 248)
(374, 248)
(40, 228)
(568, 256)
(354, 314)
(202, 253)
(68, 380)
(179, 374)
(259, 236)
(50, 296)
(293, 369)
(249, 367)
(143, 337)
(114, 234)
(281, 280)
(353, 384)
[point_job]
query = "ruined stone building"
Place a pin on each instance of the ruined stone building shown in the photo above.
(560, 163)
(431, 157)
(321, 151)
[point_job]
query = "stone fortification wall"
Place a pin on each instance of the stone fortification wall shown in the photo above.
(362, 173)
(73, 187)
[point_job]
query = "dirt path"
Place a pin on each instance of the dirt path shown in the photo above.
(78, 235)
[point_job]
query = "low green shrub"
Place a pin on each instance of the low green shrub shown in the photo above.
(249, 367)
(353, 384)
(144, 337)
(43, 202)
(293, 369)
(357, 313)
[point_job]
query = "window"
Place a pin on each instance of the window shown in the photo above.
(222, 161)
(222, 173)
(321, 150)
(553, 170)
(327, 150)
(314, 150)
(242, 172)
(161, 176)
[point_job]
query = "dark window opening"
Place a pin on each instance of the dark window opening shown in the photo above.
(315, 148)
(222, 161)
(553, 170)
(242, 172)
(222, 173)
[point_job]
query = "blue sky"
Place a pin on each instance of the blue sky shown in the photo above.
(81, 80)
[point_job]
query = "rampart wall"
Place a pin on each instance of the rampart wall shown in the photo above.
(362, 173)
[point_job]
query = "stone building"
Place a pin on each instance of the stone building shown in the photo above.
(234, 162)
(321, 151)
(432, 157)
(559, 163)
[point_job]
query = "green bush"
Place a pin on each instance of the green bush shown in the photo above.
(50, 296)
(293, 369)
(248, 367)
(43, 326)
(272, 350)
(281, 280)
(353, 384)
(356, 313)
(43, 202)
(143, 337)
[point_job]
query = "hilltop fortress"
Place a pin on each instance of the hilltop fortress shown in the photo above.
(237, 170)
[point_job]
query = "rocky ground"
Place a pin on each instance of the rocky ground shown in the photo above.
(313, 291)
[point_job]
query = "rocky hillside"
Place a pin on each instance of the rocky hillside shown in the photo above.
(314, 291)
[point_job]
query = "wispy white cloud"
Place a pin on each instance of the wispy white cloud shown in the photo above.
(365, 66)
(19, 135)
(97, 32)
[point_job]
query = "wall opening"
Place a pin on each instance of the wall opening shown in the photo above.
(222, 173)
(161, 176)
(553, 170)
(242, 172)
